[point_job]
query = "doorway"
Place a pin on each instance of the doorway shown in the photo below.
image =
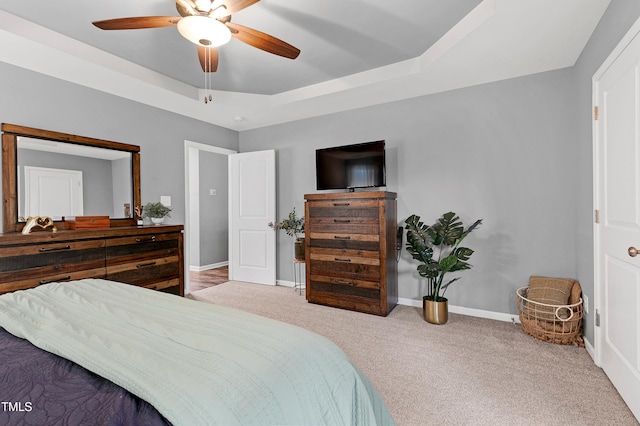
(206, 213)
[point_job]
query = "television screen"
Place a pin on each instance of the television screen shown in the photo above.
(351, 166)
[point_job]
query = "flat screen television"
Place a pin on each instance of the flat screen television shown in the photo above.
(351, 166)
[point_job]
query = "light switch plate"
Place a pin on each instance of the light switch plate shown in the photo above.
(165, 200)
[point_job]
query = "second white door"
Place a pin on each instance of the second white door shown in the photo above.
(252, 205)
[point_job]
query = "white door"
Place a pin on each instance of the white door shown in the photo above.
(252, 205)
(53, 192)
(617, 197)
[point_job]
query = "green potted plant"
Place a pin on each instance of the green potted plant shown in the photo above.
(437, 248)
(293, 226)
(156, 211)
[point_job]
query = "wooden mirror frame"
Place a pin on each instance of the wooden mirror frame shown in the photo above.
(10, 133)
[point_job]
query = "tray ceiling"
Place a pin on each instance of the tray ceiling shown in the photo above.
(354, 53)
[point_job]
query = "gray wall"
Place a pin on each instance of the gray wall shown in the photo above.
(214, 210)
(503, 152)
(35, 100)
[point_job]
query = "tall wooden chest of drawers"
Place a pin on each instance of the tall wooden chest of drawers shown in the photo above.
(350, 242)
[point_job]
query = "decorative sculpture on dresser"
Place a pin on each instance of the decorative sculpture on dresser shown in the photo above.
(43, 222)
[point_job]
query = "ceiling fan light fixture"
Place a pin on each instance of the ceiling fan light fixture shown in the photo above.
(204, 31)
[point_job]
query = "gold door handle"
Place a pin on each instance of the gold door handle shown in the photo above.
(633, 252)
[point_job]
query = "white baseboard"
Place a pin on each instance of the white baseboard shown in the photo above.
(287, 283)
(590, 349)
(207, 267)
(513, 318)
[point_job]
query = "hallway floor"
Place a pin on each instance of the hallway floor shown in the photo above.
(208, 278)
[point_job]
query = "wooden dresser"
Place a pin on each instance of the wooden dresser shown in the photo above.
(351, 250)
(147, 256)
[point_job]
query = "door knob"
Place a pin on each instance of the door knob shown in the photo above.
(633, 252)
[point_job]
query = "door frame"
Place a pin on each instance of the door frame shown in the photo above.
(192, 214)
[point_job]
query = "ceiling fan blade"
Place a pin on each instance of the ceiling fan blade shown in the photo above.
(263, 41)
(208, 58)
(233, 6)
(138, 22)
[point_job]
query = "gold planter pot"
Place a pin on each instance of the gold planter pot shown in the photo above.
(435, 312)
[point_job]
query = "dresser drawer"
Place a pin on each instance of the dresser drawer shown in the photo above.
(344, 225)
(134, 249)
(34, 264)
(369, 305)
(351, 264)
(345, 256)
(39, 278)
(57, 255)
(345, 241)
(155, 273)
(338, 208)
(342, 285)
(353, 217)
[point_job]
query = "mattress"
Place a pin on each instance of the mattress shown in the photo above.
(196, 363)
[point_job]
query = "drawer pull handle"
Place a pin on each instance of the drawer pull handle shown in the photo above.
(340, 237)
(67, 278)
(142, 265)
(337, 259)
(145, 240)
(344, 282)
(341, 204)
(47, 249)
(342, 220)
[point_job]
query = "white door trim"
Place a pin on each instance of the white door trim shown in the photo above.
(192, 215)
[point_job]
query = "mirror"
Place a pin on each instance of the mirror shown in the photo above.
(59, 179)
(61, 175)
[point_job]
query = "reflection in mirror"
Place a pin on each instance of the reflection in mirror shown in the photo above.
(59, 179)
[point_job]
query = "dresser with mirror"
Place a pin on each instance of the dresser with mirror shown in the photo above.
(66, 178)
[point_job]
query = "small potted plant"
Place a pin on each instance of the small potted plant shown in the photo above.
(293, 226)
(157, 212)
(437, 248)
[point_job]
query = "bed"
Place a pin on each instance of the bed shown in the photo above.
(100, 352)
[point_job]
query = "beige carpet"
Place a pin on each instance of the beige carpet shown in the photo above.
(469, 371)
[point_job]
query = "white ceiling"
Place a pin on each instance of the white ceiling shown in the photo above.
(355, 53)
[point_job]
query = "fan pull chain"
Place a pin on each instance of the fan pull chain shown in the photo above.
(206, 65)
(207, 76)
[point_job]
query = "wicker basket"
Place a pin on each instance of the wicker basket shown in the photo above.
(561, 324)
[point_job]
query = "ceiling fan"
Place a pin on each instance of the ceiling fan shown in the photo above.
(207, 23)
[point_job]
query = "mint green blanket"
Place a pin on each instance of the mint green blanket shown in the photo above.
(197, 363)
